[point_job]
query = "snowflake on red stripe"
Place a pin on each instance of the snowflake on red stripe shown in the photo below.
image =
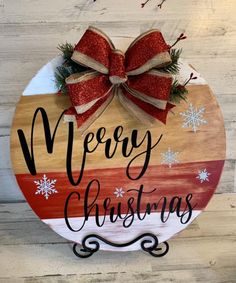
(45, 187)
(119, 192)
(203, 175)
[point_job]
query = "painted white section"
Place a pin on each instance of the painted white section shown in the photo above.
(44, 81)
(115, 232)
(185, 71)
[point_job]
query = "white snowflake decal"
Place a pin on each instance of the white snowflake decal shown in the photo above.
(203, 175)
(45, 187)
(169, 157)
(119, 192)
(193, 117)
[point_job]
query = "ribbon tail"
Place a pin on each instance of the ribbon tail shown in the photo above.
(143, 111)
(70, 115)
(86, 119)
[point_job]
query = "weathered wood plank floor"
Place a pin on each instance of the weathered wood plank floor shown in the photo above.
(205, 252)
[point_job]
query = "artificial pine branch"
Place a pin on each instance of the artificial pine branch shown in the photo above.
(67, 50)
(60, 75)
(173, 67)
(68, 67)
(178, 92)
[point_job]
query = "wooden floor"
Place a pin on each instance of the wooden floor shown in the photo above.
(30, 30)
(204, 252)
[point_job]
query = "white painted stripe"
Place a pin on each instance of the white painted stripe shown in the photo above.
(115, 232)
(44, 81)
(185, 71)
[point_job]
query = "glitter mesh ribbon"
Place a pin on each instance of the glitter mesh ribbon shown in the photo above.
(133, 77)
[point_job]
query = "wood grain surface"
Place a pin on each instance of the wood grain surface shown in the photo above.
(207, 144)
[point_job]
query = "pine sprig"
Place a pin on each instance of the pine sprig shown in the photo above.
(173, 67)
(178, 92)
(60, 75)
(68, 67)
(67, 50)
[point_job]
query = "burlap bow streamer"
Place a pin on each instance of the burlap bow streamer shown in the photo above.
(133, 76)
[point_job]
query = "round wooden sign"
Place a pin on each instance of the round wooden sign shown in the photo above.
(119, 179)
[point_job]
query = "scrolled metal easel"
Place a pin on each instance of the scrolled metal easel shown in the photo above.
(149, 244)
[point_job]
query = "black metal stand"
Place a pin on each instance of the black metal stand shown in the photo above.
(149, 244)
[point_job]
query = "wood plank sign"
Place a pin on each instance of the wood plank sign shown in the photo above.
(116, 157)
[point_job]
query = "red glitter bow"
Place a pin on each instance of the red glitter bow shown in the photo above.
(133, 77)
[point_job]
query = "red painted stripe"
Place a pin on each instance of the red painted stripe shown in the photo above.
(179, 180)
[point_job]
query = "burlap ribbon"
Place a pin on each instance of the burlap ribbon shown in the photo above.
(134, 77)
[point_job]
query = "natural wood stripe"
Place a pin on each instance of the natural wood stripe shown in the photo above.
(207, 144)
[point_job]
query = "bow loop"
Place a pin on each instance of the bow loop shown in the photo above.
(147, 51)
(93, 50)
